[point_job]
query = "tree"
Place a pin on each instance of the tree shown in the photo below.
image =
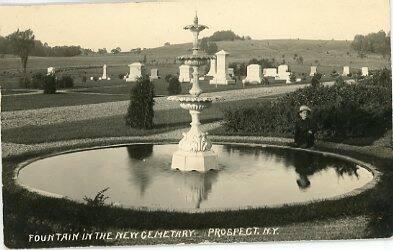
(22, 43)
(102, 51)
(116, 51)
(174, 86)
(140, 112)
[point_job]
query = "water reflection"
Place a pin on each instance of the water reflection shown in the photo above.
(140, 176)
(304, 163)
(193, 186)
(141, 173)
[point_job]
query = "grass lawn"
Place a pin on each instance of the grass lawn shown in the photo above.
(164, 120)
(21, 102)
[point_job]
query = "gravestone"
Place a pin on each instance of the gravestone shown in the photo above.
(136, 71)
(313, 70)
(104, 75)
(231, 72)
(50, 71)
(154, 74)
(212, 70)
(364, 71)
(254, 74)
(283, 73)
(222, 76)
(345, 70)
(185, 73)
(270, 72)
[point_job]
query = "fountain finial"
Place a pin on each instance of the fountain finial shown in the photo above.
(196, 18)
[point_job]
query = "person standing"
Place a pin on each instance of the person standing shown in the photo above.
(305, 128)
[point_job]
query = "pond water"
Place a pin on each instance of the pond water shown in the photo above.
(140, 176)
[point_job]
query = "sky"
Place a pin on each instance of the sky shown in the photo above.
(152, 23)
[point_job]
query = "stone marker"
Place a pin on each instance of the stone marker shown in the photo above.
(222, 76)
(136, 71)
(313, 70)
(104, 75)
(50, 71)
(283, 73)
(154, 74)
(212, 70)
(298, 79)
(345, 70)
(231, 72)
(254, 74)
(270, 72)
(364, 71)
(91, 78)
(185, 73)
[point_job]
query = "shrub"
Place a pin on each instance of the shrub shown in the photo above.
(174, 86)
(24, 82)
(340, 112)
(49, 84)
(84, 78)
(292, 77)
(121, 76)
(382, 78)
(95, 78)
(37, 80)
(315, 81)
(140, 111)
(66, 81)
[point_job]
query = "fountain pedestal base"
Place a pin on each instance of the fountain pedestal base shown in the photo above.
(198, 161)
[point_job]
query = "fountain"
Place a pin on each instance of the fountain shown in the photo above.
(194, 151)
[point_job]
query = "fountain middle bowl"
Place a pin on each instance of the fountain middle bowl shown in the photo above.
(139, 176)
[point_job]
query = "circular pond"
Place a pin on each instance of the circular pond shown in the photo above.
(139, 176)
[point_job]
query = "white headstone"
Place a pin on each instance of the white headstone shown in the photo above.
(51, 71)
(364, 71)
(136, 71)
(345, 70)
(283, 73)
(104, 76)
(298, 79)
(91, 78)
(313, 70)
(254, 74)
(154, 74)
(231, 72)
(222, 76)
(270, 72)
(185, 73)
(212, 70)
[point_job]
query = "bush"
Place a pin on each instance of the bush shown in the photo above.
(65, 81)
(382, 78)
(174, 86)
(37, 80)
(49, 84)
(121, 76)
(140, 111)
(292, 77)
(24, 82)
(315, 81)
(95, 78)
(340, 112)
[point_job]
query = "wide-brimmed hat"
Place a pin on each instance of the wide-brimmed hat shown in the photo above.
(303, 108)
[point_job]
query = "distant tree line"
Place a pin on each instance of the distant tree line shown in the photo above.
(372, 43)
(208, 45)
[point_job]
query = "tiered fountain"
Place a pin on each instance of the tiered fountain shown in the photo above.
(194, 151)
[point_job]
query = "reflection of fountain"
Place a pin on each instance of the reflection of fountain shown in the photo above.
(196, 187)
(195, 148)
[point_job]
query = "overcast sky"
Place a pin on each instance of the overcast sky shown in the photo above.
(152, 23)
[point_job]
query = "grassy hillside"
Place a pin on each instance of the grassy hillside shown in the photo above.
(328, 55)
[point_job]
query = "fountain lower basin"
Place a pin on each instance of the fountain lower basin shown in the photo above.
(250, 176)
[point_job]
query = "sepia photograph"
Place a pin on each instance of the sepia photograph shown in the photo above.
(167, 122)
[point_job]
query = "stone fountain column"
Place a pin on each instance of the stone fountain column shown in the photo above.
(194, 152)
